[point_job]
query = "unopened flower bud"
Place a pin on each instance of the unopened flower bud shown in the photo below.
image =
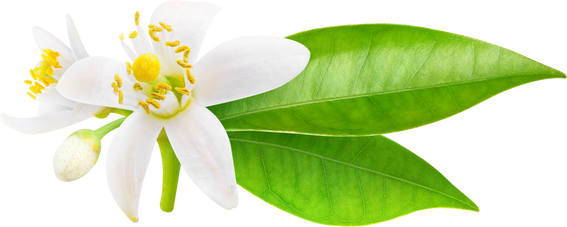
(76, 155)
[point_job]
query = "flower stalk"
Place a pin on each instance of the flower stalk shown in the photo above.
(171, 169)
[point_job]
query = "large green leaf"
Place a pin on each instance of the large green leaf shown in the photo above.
(340, 180)
(380, 78)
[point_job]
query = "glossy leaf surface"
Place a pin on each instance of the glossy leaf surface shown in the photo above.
(381, 78)
(340, 180)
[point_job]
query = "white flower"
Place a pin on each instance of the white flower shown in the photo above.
(76, 155)
(55, 111)
(167, 88)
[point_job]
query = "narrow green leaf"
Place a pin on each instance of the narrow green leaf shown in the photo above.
(381, 78)
(340, 180)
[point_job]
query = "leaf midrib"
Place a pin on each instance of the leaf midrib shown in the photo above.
(355, 166)
(376, 93)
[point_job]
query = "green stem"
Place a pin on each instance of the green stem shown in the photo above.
(102, 131)
(122, 112)
(171, 168)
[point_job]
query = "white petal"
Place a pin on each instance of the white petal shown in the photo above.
(129, 51)
(79, 50)
(52, 96)
(247, 66)
(128, 159)
(89, 81)
(189, 21)
(46, 40)
(48, 119)
(202, 146)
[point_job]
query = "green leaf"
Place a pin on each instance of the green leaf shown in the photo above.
(381, 78)
(340, 180)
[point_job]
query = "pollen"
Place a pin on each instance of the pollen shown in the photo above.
(184, 64)
(172, 44)
(133, 34)
(145, 106)
(153, 103)
(115, 86)
(30, 96)
(28, 82)
(153, 35)
(165, 26)
(146, 68)
(184, 91)
(118, 80)
(189, 76)
(155, 28)
(181, 49)
(158, 96)
(137, 16)
(186, 56)
(138, 87)
(163, 87)
(120, 97)
(129, 67)
(121, 35)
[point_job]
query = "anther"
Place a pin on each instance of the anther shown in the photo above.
(184, 64)
(184, 91)
(33, 74)
(154, 103)
(165, 26)
(189, 76)
(28, 82)
(39, 86)
(181, 49)
(136, 16)
(138, 87)
(129, 68)
(133, 34)
(115, 86)
(155, 28)
(172, 44)
(121, 35)
(153, 35)
(120, 97)
(157, 96)
(186, 56)
(48, 80)
(30, 96)
(145, 106)
(163, 87)
(118, 80)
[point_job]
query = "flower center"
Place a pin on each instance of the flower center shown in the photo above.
(162, 94)
(43, 72)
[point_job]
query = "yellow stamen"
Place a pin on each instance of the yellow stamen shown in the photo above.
(136, 16)
(115, 86)
(165, 26)
(120, 97)
(118, 80)
(146, 68)
(157, 96)
(33, 74)
(163, 87)
(39, 86)
(133, 34)
(30, 96)
(184, 64)
(155, 28)
(172, 44)
(28, 82)
(184, 91)
(121, 35)
(138, 87)
(49, 71)
(181, 49)
(145, 106)
(189, 76)
(186, 56)
(129, 67)
(49, 80)
(154, 103)
(35, 90)
(153, 35)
